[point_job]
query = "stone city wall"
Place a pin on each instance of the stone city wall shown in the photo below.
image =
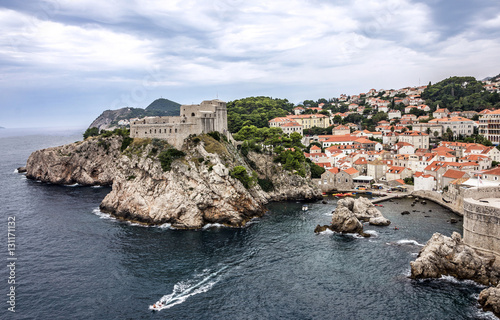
(482, 219)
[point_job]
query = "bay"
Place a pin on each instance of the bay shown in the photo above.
(77, 263)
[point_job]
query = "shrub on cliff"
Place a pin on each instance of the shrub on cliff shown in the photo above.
(168, 156)
(266, 184)
(91, 132)
(240, 173)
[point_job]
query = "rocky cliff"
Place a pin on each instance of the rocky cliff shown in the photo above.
(450, 256)
(89, 162)
(197, 190)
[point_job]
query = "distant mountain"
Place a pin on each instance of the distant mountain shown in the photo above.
(493, 79)
(164, 105)
(160, 107)
(2, 128)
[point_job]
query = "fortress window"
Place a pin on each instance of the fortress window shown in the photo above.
(175, 130)
(170, 130)
(192, 114)
(155, 130)
(150, 130)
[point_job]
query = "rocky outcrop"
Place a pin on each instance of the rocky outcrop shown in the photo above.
(450, 256)
(286, 185)
(489, 299)
(366, 211)
(349, 213)
(196, 191)
(89, 162)
(344, 220)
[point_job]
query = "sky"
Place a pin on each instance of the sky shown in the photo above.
(63, 62)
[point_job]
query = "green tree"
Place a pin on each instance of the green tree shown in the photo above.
(91, 132)
(337, 119)
(316, 171)
(296, 138)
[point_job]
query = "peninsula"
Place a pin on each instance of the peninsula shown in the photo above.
(207, 180)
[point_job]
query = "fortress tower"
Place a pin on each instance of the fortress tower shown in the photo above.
(210, 115)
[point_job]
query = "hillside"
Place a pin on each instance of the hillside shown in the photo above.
(108, 120)
(460, 94)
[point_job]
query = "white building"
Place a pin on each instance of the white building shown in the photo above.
(423, 181)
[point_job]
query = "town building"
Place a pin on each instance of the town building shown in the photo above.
(489, 126)
(458, 125)
(308, 121)
(419, 140)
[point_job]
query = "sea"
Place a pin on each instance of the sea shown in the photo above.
(74, 262)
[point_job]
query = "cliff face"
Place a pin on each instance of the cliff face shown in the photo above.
(91, 162)
(197, 190)
(287, 186)
(450, 256)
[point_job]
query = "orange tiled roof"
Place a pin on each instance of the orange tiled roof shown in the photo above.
(350, 171)
(454, 174)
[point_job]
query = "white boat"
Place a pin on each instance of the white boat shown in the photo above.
(305, 207)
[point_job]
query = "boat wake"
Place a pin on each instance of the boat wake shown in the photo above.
(183, 290)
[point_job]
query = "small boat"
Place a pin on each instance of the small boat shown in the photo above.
(305, 208)
(378, 205)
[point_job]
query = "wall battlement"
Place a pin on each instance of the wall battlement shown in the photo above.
(210, 115)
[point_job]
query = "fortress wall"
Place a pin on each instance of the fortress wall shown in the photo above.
(482, 219)
(173, 133)
(210, 115)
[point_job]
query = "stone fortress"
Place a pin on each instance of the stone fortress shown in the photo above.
(210, 115)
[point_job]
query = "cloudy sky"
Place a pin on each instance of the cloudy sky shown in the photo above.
(63, 62)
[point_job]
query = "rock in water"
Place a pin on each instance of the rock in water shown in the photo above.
(450, 256)
(346, 202)
(21, 169)
(320, 229)
(379, 221)
(489, 299)
(345, 221)
(360, 207)
(365, 210)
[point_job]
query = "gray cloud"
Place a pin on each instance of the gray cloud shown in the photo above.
(117, 53)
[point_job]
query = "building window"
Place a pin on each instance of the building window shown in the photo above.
(192, 114)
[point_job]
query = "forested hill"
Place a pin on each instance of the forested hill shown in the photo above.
(255, 111)
(460, 94)
(160, 107)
